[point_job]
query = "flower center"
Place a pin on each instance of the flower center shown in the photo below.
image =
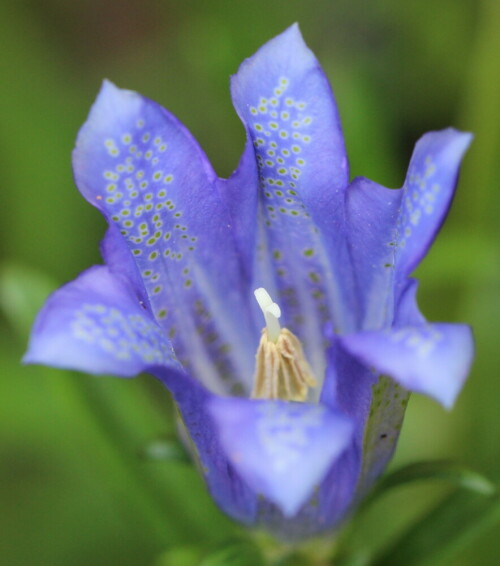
(281, 370)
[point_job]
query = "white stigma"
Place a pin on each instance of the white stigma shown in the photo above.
(271, 312)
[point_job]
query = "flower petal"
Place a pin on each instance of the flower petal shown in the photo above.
(144, 171)
(433, 359)
(427, 193)
(282, 450)
(283, 89)
(373, 212)
(240, 193)
(97, 324)
(375, 404)
(407, 311)
(120, 261)
(286, 104)
(327, 507)
(230, 492)
(390, 230)
(348, 386)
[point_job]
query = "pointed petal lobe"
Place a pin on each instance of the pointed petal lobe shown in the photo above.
(427, 194)
(97, 324)
(282, 96)
(282, 450)
(285, 102)
(390, 231)
(433, 359)
(144, 171)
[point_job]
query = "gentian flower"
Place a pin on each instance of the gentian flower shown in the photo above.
(277, 305)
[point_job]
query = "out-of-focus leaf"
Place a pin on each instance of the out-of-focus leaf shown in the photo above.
(22, 292)
(450, 472)
(443, 532)
(302, 558)
(165, 450)
(45, 222)
(361, 558)
(238, 552)
(180, 556)
(447, 259)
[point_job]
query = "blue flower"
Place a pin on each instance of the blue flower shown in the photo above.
(293, 414)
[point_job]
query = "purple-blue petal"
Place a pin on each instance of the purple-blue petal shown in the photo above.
(282, 450)
(240, 194)
(230, 492)
(120, 261)
(389, 231)
(281, 94)
(286, 104)
(97, 324)
(372, 213)
(427, 193)
(433, 359)
(407, 311)
(141, 167)
(185, 249)
(325, 510)
(337, 493)
(348, 386)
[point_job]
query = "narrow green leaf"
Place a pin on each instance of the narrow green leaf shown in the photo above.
(443, 532)
(447, 471)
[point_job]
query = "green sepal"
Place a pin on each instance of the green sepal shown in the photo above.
(382, 429)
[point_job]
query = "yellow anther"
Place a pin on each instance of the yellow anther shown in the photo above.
(281, 371)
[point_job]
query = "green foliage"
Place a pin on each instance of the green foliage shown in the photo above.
(442, 533)
(235, 553)
(166, 450)
(22, 291)
(435, 535)
(449, 472)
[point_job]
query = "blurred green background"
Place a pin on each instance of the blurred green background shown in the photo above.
(75, 486)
